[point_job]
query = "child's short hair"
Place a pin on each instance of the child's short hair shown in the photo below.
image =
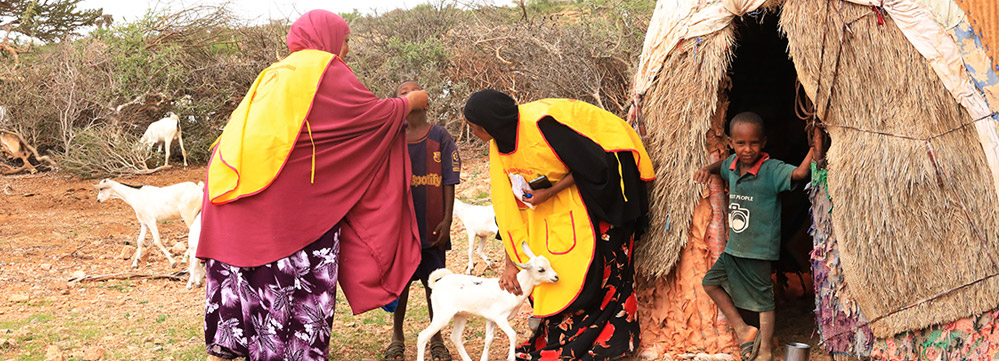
(747, 117)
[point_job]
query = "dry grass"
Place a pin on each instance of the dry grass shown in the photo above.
(51, 227)
(903, 236)
(678, 112)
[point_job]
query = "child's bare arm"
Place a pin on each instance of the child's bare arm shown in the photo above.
(703, 175)
(444, 228)
(804, 168)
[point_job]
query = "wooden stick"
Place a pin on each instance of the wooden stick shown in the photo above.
(130, 275)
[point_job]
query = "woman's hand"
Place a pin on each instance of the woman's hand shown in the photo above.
(508, 280)
(537, 196)
(418, 100)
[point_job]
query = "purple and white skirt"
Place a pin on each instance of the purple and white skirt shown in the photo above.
(279, 311)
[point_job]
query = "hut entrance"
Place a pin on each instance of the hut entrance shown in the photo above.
(763, 80)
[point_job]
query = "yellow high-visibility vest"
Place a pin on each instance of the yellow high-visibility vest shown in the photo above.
(560, 228)
(261, 132)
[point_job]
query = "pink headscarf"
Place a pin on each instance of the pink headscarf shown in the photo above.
(319, 30)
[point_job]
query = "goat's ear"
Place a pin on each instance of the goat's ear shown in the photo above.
(527, 250)
(523, 265)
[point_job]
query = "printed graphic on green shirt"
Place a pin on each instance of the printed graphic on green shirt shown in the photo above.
(754, 211)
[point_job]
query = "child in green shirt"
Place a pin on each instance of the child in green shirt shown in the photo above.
(741, 275)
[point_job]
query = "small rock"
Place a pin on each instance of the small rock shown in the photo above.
(45, 266)
(78, 275)
(178, 248)
(7, 342)
(157, 348)
(126, 252)
(52, 353)
(19, 298)
(93, 353)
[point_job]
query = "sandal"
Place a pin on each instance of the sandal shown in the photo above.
(749, 349)
(439, 352)
(396, 351)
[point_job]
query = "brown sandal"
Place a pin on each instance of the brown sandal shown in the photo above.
(439, 352)
(396, 351)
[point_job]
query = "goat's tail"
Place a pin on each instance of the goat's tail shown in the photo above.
(436, 276)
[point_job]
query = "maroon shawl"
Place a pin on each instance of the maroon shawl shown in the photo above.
(361, 182)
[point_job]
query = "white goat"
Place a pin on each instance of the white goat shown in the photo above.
(195, 270)
(152, 204)
(164, 131)
(480, 223)
(459, 296)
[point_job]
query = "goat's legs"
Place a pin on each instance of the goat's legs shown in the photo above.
(156, 241)
(456, 337)
(183, 153)
(482, 244)
(439, 321)
(138, 245)
(166, 158)
(504, 325)
(490, 330)
(471, 246)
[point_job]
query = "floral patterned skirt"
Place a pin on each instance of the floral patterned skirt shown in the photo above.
(279, 311)
(602, 324)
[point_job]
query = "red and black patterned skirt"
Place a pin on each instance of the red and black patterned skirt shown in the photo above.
(602, 324)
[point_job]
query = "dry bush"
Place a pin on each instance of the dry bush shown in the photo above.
(114, 83)
(107, 87)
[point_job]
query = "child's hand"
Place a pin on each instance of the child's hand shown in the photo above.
(441, 232)
(702, 176)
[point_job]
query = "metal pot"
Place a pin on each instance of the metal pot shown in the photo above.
(796, 351)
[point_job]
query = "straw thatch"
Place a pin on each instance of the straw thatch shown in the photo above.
(905, 234)
(678, 110)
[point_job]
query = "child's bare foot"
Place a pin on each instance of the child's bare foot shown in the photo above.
(748, 342)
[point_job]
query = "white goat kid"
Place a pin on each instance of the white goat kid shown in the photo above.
(163, 132)
(459, 296)
(195, 270)
(152, 204)
(480, 223)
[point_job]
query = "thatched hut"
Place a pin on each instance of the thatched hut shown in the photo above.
(903, 238)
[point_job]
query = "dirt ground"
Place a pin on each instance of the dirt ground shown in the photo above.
(52, 229)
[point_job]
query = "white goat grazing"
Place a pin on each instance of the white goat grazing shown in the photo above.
(164, 131)
(459, 296)
(152, 204)
(480, 223)
(195, 270)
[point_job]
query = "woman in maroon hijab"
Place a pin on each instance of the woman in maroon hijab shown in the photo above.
(340, 188)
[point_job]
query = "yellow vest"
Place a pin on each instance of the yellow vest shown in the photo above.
(560, 228)
(262, 131)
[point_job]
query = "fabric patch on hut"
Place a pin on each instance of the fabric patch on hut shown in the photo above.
(840, 322)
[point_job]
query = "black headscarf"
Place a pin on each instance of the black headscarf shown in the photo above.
(498, 114)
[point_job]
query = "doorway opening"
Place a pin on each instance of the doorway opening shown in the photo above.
(764, 81)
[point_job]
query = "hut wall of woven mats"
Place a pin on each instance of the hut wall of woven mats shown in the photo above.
(904, 202)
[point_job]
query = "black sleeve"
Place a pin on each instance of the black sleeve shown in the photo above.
(596, 174)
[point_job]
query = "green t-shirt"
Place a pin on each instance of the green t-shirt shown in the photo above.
(754, 206)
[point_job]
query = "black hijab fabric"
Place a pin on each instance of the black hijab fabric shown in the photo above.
(498, 114)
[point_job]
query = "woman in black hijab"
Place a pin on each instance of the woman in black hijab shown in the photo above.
(567, 141)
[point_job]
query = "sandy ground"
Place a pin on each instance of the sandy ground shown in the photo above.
(52, 229)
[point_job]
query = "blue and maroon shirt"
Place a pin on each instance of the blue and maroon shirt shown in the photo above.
(436, 163)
